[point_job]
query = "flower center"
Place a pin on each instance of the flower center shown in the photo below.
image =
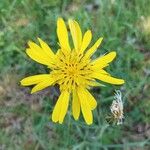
(72, 71)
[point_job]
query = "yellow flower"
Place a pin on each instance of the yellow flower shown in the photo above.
(71, 68)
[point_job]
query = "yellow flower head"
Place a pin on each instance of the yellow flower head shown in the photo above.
(71, 68)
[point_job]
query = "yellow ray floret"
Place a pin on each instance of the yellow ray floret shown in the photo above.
(62, 35)
(75, 105)
(92, 50)
(86, 41)
(76, 34)
(42, 55)
(61, 107)
(41, 81)
(103, 61)
(85, 106)
(72, 69)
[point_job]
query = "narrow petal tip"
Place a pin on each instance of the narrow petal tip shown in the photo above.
(33, 91)
(60, 20)
(39, 39)
(114, 53)
(70, 20)
(123, 81)
(89, 123)
(119, 82)
(60, 122)
(21, 82)
(76, 118)
(29, 43)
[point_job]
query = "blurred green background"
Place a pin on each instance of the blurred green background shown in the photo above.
(25, 123)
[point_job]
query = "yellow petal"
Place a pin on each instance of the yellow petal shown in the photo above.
(38, 54)
(46, 49)
(86, 41)
(42, 85)
(104, 60)
(94, 83)
(76, 34)
(108, 79)
(57, 109)
(92, 50)
(91, 100)
(38, 58)
(85, 107)
(61, 107)
(35, 79)
(62, 34)
(75, 105)
(64, 107)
